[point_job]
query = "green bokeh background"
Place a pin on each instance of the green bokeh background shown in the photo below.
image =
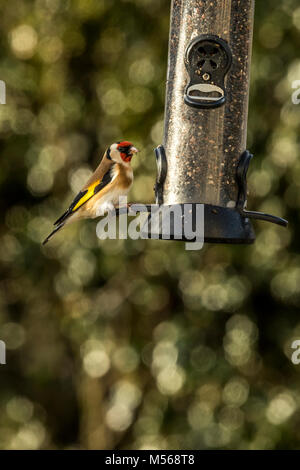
(139, 345)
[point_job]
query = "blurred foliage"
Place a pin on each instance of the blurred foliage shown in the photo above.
(124, 344)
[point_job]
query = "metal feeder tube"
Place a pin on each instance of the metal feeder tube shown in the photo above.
(203, 159)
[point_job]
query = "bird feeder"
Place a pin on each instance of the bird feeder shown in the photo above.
(203, 159)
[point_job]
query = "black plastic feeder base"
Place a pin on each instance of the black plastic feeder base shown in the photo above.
(226, 225)
(221, 225)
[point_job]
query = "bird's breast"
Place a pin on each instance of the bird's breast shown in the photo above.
(124, 176)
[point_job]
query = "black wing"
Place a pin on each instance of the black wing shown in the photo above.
(85, 196)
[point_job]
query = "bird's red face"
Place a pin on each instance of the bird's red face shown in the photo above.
(127, 150)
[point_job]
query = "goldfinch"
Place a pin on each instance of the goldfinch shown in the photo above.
(112, 179)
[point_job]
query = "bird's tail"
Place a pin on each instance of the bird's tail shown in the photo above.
(53, 233)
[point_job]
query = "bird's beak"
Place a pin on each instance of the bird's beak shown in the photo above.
(133, 150)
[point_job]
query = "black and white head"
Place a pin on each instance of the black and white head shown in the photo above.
(121, 152)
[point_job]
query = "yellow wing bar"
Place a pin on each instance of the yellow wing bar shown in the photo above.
(86, 196)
